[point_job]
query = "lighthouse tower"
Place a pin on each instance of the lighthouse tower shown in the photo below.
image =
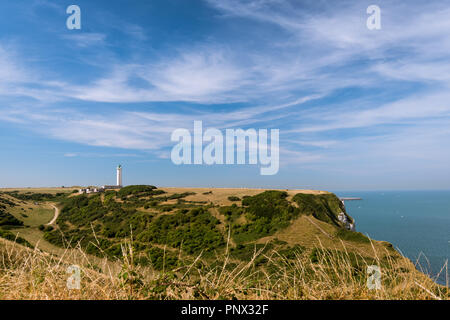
(119, 175)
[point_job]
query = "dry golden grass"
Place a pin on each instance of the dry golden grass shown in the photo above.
(311, 233)
(219, 196)
(32, 274)
(51, 190)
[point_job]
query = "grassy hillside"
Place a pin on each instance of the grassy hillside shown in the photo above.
(205, 243)
(324, 274)
(156, 218)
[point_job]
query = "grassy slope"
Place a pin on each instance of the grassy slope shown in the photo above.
(31, 274)
(308, 231)
(304, 230)
(33, 215)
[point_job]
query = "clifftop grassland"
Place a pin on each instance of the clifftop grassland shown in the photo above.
(144, 242)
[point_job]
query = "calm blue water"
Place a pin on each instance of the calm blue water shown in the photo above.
(414, 222)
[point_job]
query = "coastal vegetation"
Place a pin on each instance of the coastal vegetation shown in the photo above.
(197, 244)
(324, 207)
(325, 274)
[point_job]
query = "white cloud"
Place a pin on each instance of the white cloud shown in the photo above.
(86, 39)
(196, 74)
(99, 155)
(71, 154)
(199, 76)
(404, 111)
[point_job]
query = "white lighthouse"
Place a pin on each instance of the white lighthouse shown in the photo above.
(119, 175)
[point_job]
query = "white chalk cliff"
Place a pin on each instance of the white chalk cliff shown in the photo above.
(348, 224)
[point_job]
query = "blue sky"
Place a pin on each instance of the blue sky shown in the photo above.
(357, 109)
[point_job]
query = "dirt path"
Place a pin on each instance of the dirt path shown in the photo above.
(55, 216)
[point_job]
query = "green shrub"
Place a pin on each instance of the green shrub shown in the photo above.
(8, 235)
(32, 196)
(7, 219)
(245, 252)
(135, 189)
(352, 236)
(292, 252)
(324, 207)
(180, 195)
(266, 213)
(7, 202)
(195, 231)
(159, 259)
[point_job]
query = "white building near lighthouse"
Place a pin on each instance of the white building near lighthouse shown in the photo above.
(106, 187)
(119, 175)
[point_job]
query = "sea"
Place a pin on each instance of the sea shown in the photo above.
(417, 223)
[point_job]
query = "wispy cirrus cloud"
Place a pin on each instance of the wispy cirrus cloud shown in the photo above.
(99, 155)
(86, 39)
(312, 69)
(195, 76)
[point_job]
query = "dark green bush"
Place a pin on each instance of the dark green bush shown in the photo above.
(7, 219)
(292, 252)
(324, 207)
(135, 189)
(194, 231)
(352, 236)
(266, 213)
(12, 237)
(31, 196)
